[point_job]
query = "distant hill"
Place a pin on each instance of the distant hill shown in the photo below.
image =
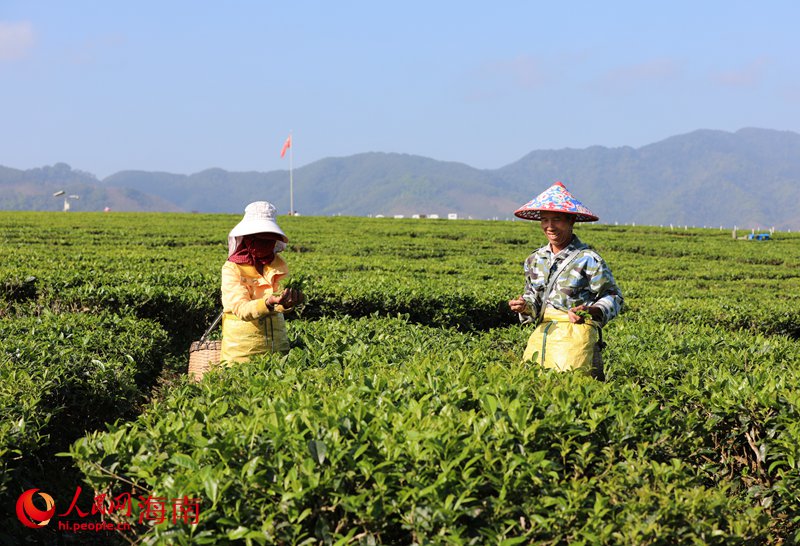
(750, 178)
(33, 190)
(747, 178)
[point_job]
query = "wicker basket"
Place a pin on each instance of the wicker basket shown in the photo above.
(202, 356)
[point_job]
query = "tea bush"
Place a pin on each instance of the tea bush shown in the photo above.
(61, 375)
(377, 430)
(423, 428)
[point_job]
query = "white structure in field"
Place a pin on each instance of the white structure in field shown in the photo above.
(59, 193)
(452, 216)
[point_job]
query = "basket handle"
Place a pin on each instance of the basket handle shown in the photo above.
(213, 325)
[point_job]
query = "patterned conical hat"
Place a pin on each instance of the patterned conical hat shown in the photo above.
(556, 198)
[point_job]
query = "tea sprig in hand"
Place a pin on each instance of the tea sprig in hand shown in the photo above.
(292, 287)
(295, 282)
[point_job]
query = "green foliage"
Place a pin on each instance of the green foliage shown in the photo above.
(402, 413)
(379, 430)
(61, 375)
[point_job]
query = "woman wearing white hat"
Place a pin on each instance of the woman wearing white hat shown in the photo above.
(252, 303)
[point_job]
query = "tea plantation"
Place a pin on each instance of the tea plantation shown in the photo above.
(402, 414)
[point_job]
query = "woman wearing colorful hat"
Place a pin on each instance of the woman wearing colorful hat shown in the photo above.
(570, 293)
(252, 302)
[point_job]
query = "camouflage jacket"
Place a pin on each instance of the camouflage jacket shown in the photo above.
(586, 281)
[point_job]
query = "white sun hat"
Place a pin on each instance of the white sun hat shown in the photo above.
(259, 217)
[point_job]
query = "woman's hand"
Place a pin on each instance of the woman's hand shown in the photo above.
(289, 298)
(518, 305)
(575, 313)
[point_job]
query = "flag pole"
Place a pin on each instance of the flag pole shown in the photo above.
(291, 182)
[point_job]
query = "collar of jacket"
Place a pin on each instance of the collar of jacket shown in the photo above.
(575, 244)
(272, 272)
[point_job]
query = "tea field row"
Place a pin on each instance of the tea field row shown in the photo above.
(402, 412)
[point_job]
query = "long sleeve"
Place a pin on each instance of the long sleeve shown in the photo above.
(609, 297)
(532, 294)
(236, 298)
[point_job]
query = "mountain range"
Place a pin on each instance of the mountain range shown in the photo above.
(749, 178)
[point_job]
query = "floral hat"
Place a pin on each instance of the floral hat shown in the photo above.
(259, 217)
(556, 198)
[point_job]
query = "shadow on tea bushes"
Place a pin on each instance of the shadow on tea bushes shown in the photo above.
(734, 398)
(63, 375)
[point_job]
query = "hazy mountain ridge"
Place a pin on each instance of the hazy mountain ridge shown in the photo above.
(748, 178)
(33, 190)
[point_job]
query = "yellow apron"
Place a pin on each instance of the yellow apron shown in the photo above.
(562, 345)
(242, 339)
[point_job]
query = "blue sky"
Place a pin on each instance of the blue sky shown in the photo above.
(182, 86)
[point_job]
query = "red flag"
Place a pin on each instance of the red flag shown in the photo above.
(287, 144)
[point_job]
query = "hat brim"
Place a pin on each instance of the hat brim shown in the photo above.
(535, 214)
(251, 227)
